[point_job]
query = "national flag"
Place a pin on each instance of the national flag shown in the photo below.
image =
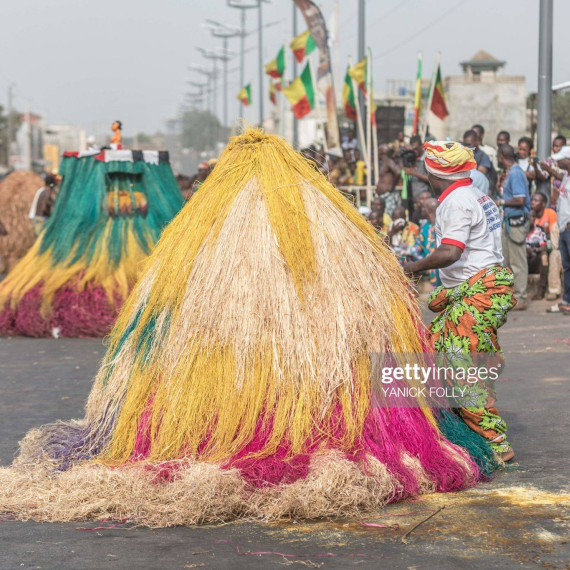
(272, 95)
(348, 97)
(276, 67)
(245, 95)
(373, 108)
(278, 85)
(301, 94)
(418, 97)
(358, 73)
(302, 45)
(438, 106)
(371, 102)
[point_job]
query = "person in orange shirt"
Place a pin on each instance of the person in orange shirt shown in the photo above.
(544, 217)
(547, 220)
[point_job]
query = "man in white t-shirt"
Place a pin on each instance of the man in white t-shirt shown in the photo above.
(476, 291)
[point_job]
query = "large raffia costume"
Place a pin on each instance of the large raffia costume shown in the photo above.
(237, 381)
(110, 210)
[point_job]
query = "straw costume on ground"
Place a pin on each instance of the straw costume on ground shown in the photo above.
(17, 193)
(109, 213)
(237, 381)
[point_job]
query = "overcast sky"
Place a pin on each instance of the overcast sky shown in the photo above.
(88, 63)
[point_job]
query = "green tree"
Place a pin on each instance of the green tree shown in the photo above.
(201, 130)
(561, 111)
(143, 138)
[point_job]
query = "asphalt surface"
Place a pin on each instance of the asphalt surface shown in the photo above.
(519, 519)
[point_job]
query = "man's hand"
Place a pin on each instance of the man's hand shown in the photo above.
(397, 225)
(544, 165)
(416, 174)
(443, 256)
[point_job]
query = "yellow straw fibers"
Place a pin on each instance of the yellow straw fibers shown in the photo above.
(270, 292)
(261, 305)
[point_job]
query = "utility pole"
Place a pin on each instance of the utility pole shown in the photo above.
(10, 134)
(202, 87)
(361, 47)
(28, 139)
(209, 54)
(225, 32)
(544, 127)
(243, 6)
(210, 75)
(242, 60)
(295, 71)
(260, 59)
(195, 100)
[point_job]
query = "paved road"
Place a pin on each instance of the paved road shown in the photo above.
(518, 519)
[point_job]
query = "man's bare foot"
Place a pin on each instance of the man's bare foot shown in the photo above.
(506, 456)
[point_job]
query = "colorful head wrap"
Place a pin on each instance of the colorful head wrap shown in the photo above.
(449, 160)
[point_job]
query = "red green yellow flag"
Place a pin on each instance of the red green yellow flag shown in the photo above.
(358, 73)
(301, 94)
(276, 67)
(302, 45)
(418, 97)
(272, 95)
(438, 106)
(348, 97)
(245, 95)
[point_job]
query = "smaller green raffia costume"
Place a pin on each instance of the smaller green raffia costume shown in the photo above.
(109, 213)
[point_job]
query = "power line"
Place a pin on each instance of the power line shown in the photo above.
(420, 31)
(381, 17)
(391, 11)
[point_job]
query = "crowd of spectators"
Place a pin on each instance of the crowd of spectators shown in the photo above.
(536, 239)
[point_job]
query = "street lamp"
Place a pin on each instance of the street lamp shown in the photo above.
(244, 5)
(225, 32)
(224, 57)
(194, 99)
(209, 74)
(202, 87)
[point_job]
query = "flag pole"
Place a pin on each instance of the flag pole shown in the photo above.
(374, 127)
(368, 122)
(358, 116)
(282, 98)
(430, 95)
(320, 119)
(295, 142)
(335, 45)
(418, 94)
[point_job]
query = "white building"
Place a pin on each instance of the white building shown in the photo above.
(483, 94)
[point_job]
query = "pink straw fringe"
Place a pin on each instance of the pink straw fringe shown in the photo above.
(85, 313)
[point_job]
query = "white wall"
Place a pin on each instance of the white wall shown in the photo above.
(498, 103)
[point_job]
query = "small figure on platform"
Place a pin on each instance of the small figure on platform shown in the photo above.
(117, 138)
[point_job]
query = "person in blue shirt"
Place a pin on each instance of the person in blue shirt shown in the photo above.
(516, 205)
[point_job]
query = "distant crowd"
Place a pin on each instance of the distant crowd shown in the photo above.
(536, 238)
